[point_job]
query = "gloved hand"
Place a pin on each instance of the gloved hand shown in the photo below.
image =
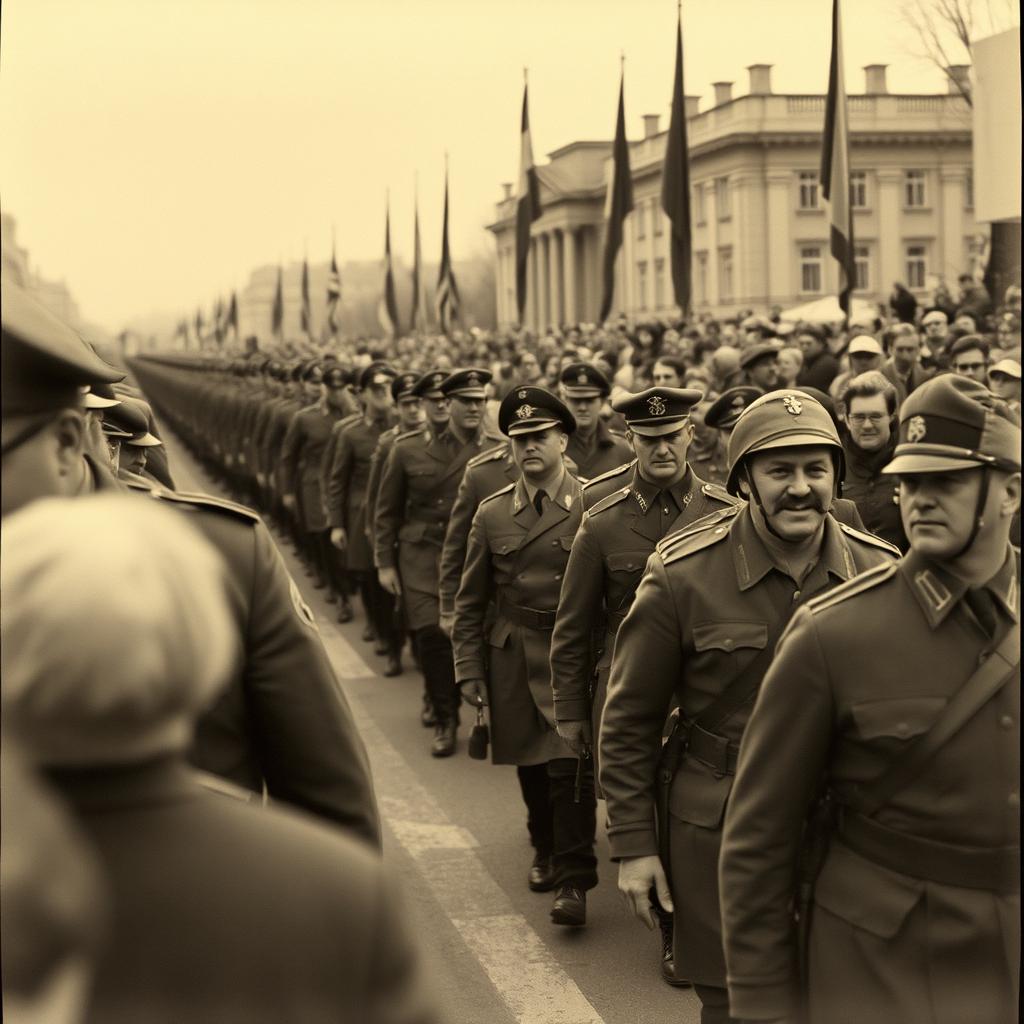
(576, 734)
(388, 578)
(473, 693)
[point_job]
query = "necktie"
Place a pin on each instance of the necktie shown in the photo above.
(980, 602)
(538, 502)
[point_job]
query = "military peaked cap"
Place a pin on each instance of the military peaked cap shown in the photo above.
(376, 373)
(528, 409)
(725, 410)
(402, 386)
(581, 380)
(429, 385)
(657, 410)
(466, 383)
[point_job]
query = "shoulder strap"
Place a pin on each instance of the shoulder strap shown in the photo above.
(992, 675)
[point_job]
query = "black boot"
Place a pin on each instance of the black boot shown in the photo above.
(668, 964)
(570, 907)
(444, 740)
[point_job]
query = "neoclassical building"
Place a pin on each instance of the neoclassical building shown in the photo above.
(760, 230)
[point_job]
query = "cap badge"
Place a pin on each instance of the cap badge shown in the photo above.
(524, 412)
(793, 405)
(522, 394)
(582, 377)
(656, 405)
(738, 402)
(916, 429)
(473, 380)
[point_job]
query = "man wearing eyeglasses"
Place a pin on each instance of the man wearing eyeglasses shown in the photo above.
(969, 358)
(868, 443)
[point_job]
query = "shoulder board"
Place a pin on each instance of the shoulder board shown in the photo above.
(491, 455)
(618, 434)
(496, 438)
(861, 582)
(205, 501)
(347, 421)
(508, 488)
(706, 532)
(716, 492)
(406, 434)
(610, 474)
(607, 501)
(870, 538)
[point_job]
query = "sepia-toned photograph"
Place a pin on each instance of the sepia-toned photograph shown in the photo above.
(510, 512)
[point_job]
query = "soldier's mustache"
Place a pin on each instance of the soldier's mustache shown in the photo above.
(800, 505)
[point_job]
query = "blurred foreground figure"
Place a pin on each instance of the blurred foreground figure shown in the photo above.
(221, 911)
(898, 692)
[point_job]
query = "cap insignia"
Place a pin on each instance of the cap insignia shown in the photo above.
(522, 394)
(793, 405)
(738, 402)
(656, 405)
(916, 429)
(582, 377)
(473, 379)
(524, 412)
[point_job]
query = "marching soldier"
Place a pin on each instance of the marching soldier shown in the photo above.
(593, 447)
(708, 453)
(700, 633)
(517, 552)
(617, 536)
(901, 690)
(414, 500)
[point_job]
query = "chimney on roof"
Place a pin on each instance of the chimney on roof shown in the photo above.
(874, 80)
(692, 106)
(506, 187)
(723, 92)
(959, 78)
(760, 79)
(651, 125)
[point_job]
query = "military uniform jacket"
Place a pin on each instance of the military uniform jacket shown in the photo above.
(710, 463)
(377, 463)
(703, 610)
(346, 482)
(417, 490)
(302, 452)
(608, 451)
(517, 558)
(273, 443)
(214, 903)
(485, 474)
(870, 667)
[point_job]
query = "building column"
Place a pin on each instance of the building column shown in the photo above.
(950, 261)
(544, 281)
(890, 256)
(711, 209)
(569, 274)
(530, 306)
(499, 285)
(750, 219)
(557, 282)
(778, 249)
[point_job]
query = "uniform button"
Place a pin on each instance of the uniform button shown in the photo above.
(665, 510)
(554, 543)
(1014, 799)
(1006, 721)
(796, 595)
(903, 729)
(720, 529)
(558, 575)
(728, 644)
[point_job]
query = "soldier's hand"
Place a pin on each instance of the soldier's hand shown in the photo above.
(637, 875)
(261, 479)
(577, 735)
(289, 501)
(338, 538)
(447, 623)
(473, 693)
(389, 581)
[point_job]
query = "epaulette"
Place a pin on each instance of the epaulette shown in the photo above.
(607, 501)
(497, 494)
(491, 455)
(870, 538)
(702, 534)
(861, 582)
(718, 493)
(347, 421)
(203, 501)
(406, 434)
(609, 474)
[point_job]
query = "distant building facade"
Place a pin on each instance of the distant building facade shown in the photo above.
(16, 267)
(760, 230)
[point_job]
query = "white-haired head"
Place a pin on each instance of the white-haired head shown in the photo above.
(116, 629)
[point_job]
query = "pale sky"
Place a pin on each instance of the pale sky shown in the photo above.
(154, 151)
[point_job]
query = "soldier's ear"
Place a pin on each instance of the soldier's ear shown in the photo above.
(1009, 504)
(563, 441)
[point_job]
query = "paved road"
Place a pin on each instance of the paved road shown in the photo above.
(455, 833)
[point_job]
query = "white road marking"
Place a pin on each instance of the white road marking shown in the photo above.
(524, 971)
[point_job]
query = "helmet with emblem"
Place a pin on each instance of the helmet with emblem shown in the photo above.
(781, 419)
(528, 409)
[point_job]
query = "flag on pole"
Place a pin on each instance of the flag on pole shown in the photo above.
(333, 293)
(231, 320)
(835, 168)
(417, 286)
(527, 206)
(447, 298)
(387, 310)
(675, 187)
(618, 202)
(305, 315)
(199, 328)
(218, 319)
(277, 310)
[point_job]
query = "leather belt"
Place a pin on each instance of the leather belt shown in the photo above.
(535, 618)
(996, 869)
(712, 750)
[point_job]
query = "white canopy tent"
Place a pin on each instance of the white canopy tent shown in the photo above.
(826, 311)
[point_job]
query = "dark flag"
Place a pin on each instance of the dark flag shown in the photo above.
(333, 293)
(306, 317)
(231, 320)
(218, 320)
(675, 186)
(618, 202)
(277, 310)
(417, 286)
(835, 169)
(387, 310)
(447, 298)
(182, 332)
(199, 328)
(527, 206)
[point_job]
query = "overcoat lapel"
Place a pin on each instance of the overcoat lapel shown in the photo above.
(558, 508)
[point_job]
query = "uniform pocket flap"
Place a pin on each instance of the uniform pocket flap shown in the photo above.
(412, 531)
(697, 797)
(506, 545)
(899, 717)
(864, 894)
(566, 542)
(727, 636)
(627, 561)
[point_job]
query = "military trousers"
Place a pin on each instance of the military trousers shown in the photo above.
(437, 664)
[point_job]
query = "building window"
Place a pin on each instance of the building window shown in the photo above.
(917, 265)
(862, 268)
(657, 219)
(722, 198)
(810, 269)
(858, 190)
(725, 274)
(659, 284)
(700, 213)
(641, 284)
(913, 190)
(640, 213)
(702, 277)
(808, 190)
(969, 189)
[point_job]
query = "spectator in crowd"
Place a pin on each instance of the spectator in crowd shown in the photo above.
(1004, 382)
(902, 303)
(203, 886)
(820, 366)
(903, 367)
(669, 372)
(760, 365)
(975, 300)
(790, 359)
(935, 325)
(969, 357)
(863, 354)
(869, 440)
(527, 368)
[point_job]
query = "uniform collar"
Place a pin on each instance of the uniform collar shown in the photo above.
(753, 562)
(645, 492)
(938, 592)
(531, 490)
(566, 492)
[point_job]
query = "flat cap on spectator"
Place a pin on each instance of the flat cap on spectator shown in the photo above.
(864, 345)
(755, 353)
